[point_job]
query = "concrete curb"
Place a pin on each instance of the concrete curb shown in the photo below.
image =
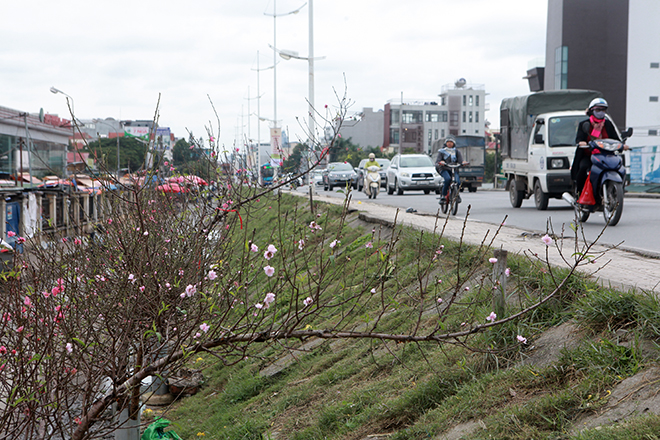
(611, 265)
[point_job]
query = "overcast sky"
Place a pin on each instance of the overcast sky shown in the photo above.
(116, 58)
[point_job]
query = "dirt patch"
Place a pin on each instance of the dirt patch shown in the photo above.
(634, 396)
(546, 349)
(463, 429)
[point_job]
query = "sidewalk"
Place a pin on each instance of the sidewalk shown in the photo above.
(616, 267)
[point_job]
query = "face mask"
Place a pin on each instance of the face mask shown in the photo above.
(599, 115)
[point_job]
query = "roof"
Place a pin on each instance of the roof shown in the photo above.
(522, 109)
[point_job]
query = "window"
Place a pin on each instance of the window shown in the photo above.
(476, 116)
(476, 100)
(561, 68)
(412, 117)
(394, 135)
(443, 116)
(442, 132)
(464, 99)
(436, 134)
(433, 116)
(655, 65)
(410, 135)
(471, 101)
(430, 136)
(395, 116)
(443, 100)
(653, 99)
(464, 116)
(453, 119)
(653, 132)
(471, 120)
(476, 131)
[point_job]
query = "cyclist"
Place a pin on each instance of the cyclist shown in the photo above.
(448, 155)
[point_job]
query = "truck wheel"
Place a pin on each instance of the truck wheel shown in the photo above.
(540, 198)
(515, 196)
(427, 191)
(472, 189)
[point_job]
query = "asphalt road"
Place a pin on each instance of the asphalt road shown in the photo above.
(639, 228)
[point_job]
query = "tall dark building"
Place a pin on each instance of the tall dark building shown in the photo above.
(587, 48)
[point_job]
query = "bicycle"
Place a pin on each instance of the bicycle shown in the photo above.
(453, 198)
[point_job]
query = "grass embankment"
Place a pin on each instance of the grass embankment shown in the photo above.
(359, 387)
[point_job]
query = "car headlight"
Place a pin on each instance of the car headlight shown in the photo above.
(405, 175)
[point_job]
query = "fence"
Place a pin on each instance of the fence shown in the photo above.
(52, 214)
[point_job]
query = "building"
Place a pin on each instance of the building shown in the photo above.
(416, 124)
(610, 46)
(365, 128)
(48, 136)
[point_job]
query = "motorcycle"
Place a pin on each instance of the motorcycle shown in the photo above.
(607, 177)
(372, 181)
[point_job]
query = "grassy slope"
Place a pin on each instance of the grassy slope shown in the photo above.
(351, 389)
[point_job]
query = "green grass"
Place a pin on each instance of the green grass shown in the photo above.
(353, 388)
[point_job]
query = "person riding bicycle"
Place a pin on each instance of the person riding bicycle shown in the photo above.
(448, 155)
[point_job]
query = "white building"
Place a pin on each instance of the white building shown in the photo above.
(460, 110)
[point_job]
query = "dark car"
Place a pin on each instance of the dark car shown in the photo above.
(339, 174)
(384, 163)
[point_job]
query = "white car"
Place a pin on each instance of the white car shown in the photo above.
(413, 172)
(317, 177)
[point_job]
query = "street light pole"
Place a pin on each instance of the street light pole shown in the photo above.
(73, 126)
(275, 15)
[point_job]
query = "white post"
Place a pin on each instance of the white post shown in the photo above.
(312, 125)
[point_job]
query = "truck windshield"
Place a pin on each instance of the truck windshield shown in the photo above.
(562, 130)
(470, 141)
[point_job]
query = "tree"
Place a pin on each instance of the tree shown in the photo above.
(292, 164)
(192, 158)
(84, 322)
(131, 155)
(343, 150)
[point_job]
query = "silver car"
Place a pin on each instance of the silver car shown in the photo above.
(412, 172)
(339, 174)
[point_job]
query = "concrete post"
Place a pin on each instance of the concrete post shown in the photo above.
(499, 282)
(3, 217)
(52, 210)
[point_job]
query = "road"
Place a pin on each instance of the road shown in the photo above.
(638, 230)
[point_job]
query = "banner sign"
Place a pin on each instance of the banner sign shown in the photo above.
(141, 132)
(276, 147)
(645, 164)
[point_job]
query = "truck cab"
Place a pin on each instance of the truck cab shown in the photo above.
(538, 143)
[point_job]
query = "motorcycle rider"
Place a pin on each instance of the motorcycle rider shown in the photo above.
(596, 127)
(370, 163)
(448, 155)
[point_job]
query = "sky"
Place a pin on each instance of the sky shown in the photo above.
(197, 65)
